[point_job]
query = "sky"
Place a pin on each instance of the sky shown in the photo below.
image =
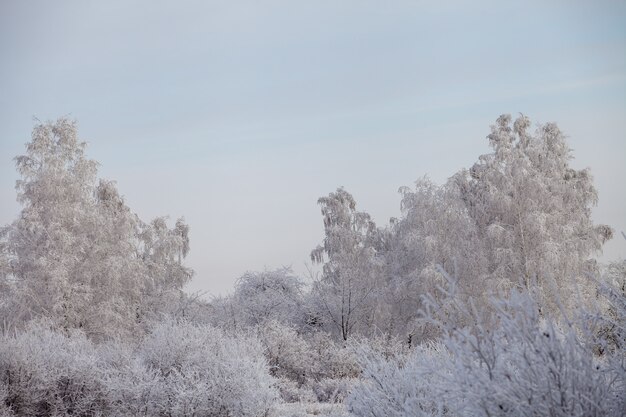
(239, 115)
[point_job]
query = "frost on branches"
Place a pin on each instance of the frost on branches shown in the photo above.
(179, 369)
(518, 364)
(76, 254)
(482, 299)
(348, 285)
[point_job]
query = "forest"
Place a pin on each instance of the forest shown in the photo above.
(483, 298)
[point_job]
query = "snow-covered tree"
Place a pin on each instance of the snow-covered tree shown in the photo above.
(455, 308)
(519, 218)
(77, 254)
(348, 284)
(435, 232)
(533, 211)
(49, 241)
(161, 251)
(270, 295)
(259, 297)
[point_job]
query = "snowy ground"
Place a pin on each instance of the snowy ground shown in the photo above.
(310, 409)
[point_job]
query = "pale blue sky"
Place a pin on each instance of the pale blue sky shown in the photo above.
(239, 115)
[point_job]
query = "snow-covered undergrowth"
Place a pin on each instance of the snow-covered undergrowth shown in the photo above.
(525, 365)
(179, 369)
(308, 409)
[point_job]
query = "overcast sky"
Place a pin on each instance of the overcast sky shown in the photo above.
(239, 115)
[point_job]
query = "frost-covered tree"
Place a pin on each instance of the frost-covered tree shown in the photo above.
(519, 218)
(533, 211)
(270, 295)
(435, 232)
(162, 251)
(259, 297)
(77, 254)
(346, 290)
(48, 243)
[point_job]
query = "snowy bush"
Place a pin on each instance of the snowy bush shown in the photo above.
(526, 365)
(611, 320)
(332, 359)
(46, 373)
(331, 390)
(183, 369)
(288, 354)
(310, 409)
(399, 385)
(312, 368)
(529, 366)
(178, 370)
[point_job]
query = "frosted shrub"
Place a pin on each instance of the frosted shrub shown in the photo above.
(46, 373)
(288, 354)
(5, 409)
(398, 385)
(529, 366)
(611, 320)
(334, 370)
(183, 369)
(314, 368)
(334, 360)
(524, 365)
(331, 390)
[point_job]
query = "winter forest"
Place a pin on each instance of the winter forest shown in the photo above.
(484, 298)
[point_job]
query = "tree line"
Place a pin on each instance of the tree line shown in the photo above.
(483, 286)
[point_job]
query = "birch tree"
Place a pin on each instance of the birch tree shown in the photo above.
(76, 253)
(533, 211)
(347, 287)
